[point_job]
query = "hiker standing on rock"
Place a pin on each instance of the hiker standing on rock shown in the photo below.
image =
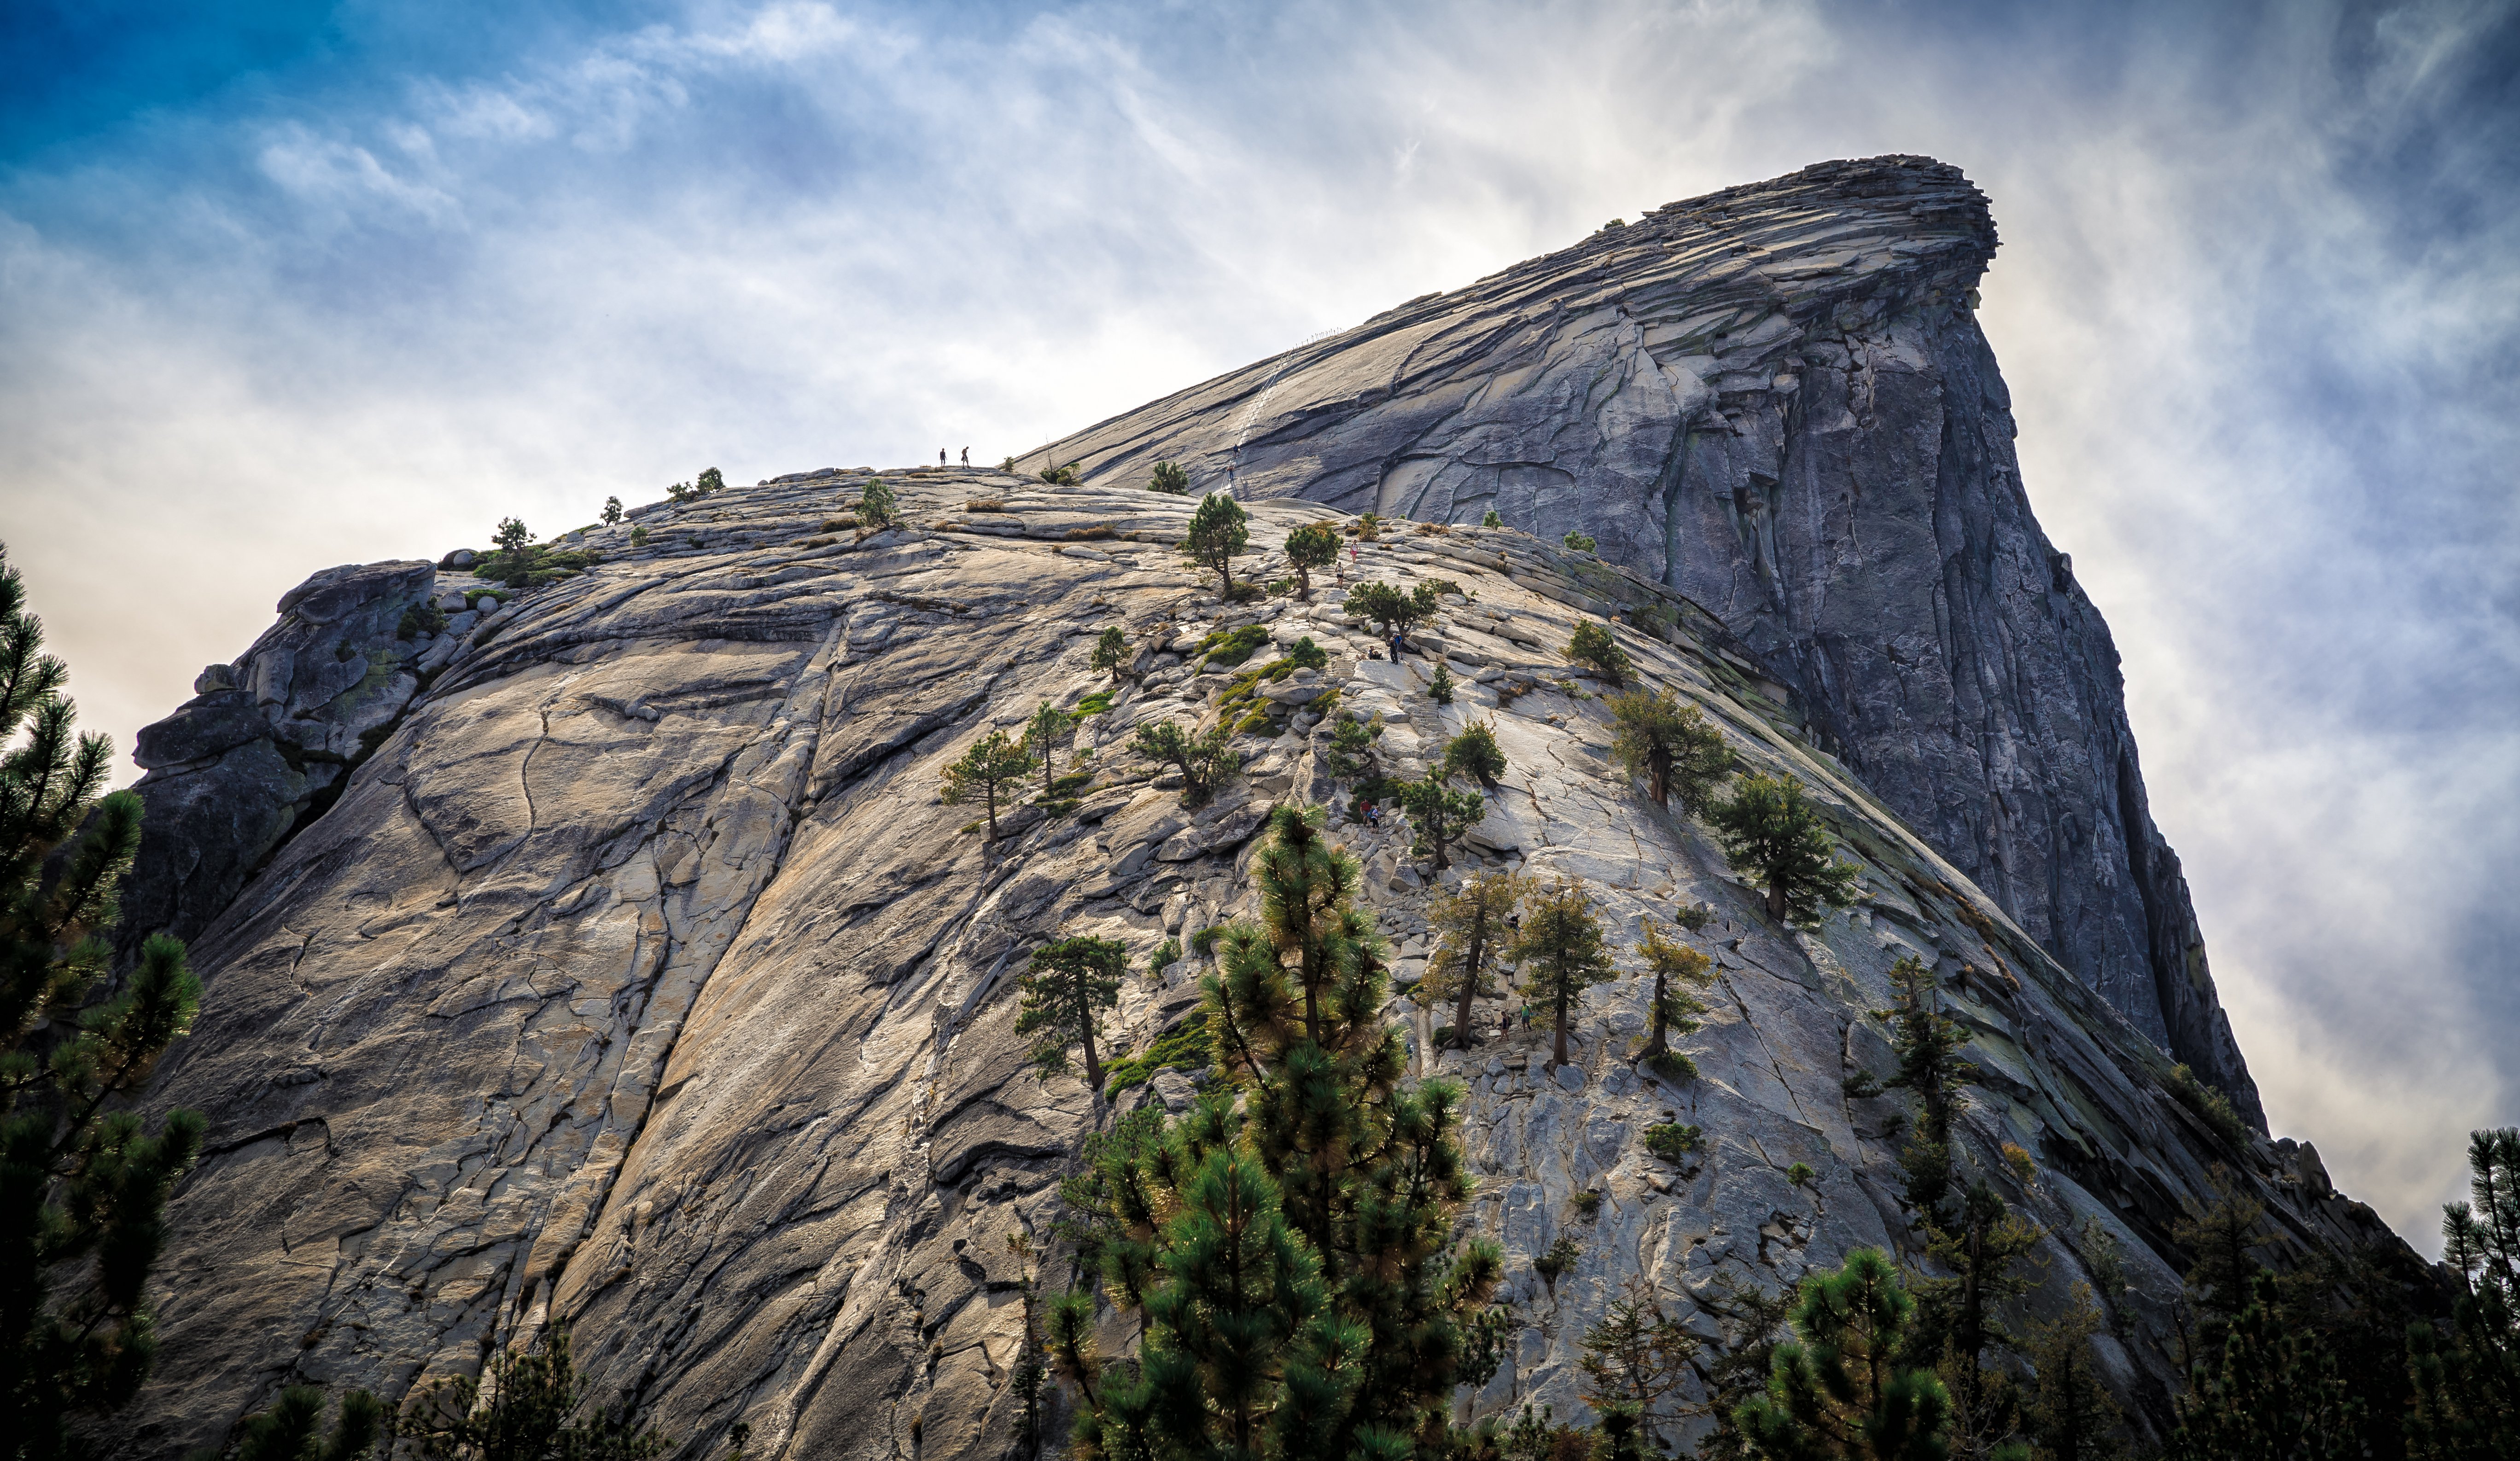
(967, 456)
(940, 455)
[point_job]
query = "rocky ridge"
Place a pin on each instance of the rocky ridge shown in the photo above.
(1775, 400)
(638, 980)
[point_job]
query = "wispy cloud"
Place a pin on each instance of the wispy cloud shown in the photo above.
(2257, 303)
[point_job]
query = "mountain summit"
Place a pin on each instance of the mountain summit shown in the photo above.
(1777, 401)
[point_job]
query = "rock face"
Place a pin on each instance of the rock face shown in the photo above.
(639, 981)
(268, 743)
(1775, 400)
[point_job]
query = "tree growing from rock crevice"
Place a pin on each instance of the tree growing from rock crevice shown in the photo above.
(1596, 649)
(1043, 732)
(531, 1405)
(1474, 753)
(1472, 929)
(983, 773)
(1927, 1043)
(1066, 986)
(1111, 651)
(1560, 949)
(1315, 545)
(1772, 832)
(1671, 747)
(512, 535)
(1392, 611)
(1639, 1360)
(83, 1184)
(1205, 760)
(611, 510)
(1441, 815)
(1218, 530)
(1679, 973)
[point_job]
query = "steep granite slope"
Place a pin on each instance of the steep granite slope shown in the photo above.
(639, 981)
(1775, 400)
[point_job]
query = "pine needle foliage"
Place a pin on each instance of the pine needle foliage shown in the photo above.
(1046, 726)
(1637, 1358)
(1596, 649)
(527, 1407)
(1474, 753)
(1772, 832)
(1169, 479)
(1111, 650)
(2072, 1416)
(1670, 747)
(293, 1429)
(1441, 815)
(83, 1184)
(1291, 1256)
(876, 506)
(2467, 1380)
(1395, 612)
(1561, 951)
(1218, 530)
(1680, 972)
(1315, 545)
(1205, 760)
(1066, 986)
(1471, 933)
(983, 771)
(1843, 1388)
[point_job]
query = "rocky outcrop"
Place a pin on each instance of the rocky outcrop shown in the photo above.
(640, 981)
(1775, 400)
(267, 743)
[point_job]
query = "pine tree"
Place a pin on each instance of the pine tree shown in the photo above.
(1065, 987)
(1982, 1245)
(1439, 686)
(2271, 1394)
(83, 1186)
(1491, 519)
(1671, 746)
(1304, 1297)
(1047, 728)
(1205, 760)
(1111, 650)
(1594, 648)
(1441, 815)
(293, 1429)
(1636, 1358)
(1671, 961)
(1169, 479)
(1754, 1325)
(525, 1408)
(2072, 1417)
(1770, 831)
(1928, 1044)
(1392, 611)
(511, 535)
(1474, 753)
(876, 505)
(711, 480)
(1843, 1388)
(992, 762)
(2467, 1383)
(1218, 530)
(2224, 1235)
(1471, 930)
(1562, 948)
(611, 510)
(1315, 545)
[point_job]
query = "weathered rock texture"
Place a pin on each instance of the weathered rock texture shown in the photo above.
(639, 981)
(1775, 400)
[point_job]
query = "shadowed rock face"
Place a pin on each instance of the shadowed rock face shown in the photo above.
(1775, 400)
(639, 981)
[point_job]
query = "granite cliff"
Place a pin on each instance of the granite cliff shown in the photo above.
(1775, 399)
(605, 956)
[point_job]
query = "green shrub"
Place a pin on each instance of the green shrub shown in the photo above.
(1169, 479)
(1492, 521)
(1166, 954)
(1673, 1066)
(1588, 1204)
(512, 535)
(1061, 476)
(1307, 655)
(877, 507)
(1094, 703)
(1672, 1141)
(1592, 644)
(420, 618)
(1204, 942)
(1800, 1173)
(1228, 647)
(638, 535)
(1183, 1048)
(2211, 1106)
(1560, 1257)
(1581, 542)
(1440, 688)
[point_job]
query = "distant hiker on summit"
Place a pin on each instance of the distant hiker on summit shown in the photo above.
(940, 455)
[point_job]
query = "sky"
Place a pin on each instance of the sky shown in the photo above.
(296, 283)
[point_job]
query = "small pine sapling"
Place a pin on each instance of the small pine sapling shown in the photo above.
(638, 535)
(1594, 648)
(1066, 987)
(1218, 530)
(511, 536)
(1492, 519)
(1771, 830)
(877, 507)
(1061, 476)
(1111, 651)
(1844, 1374)
(982, 772)
(1637, 1357)
(1043, 732)
(1671, 747)
(1439, 686)
(1315, 545)
(1441, 815)
(1561, 951)
(1474, 753)
(1580, 542)
(611, 510)
(1169, 479)
(709, 481)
